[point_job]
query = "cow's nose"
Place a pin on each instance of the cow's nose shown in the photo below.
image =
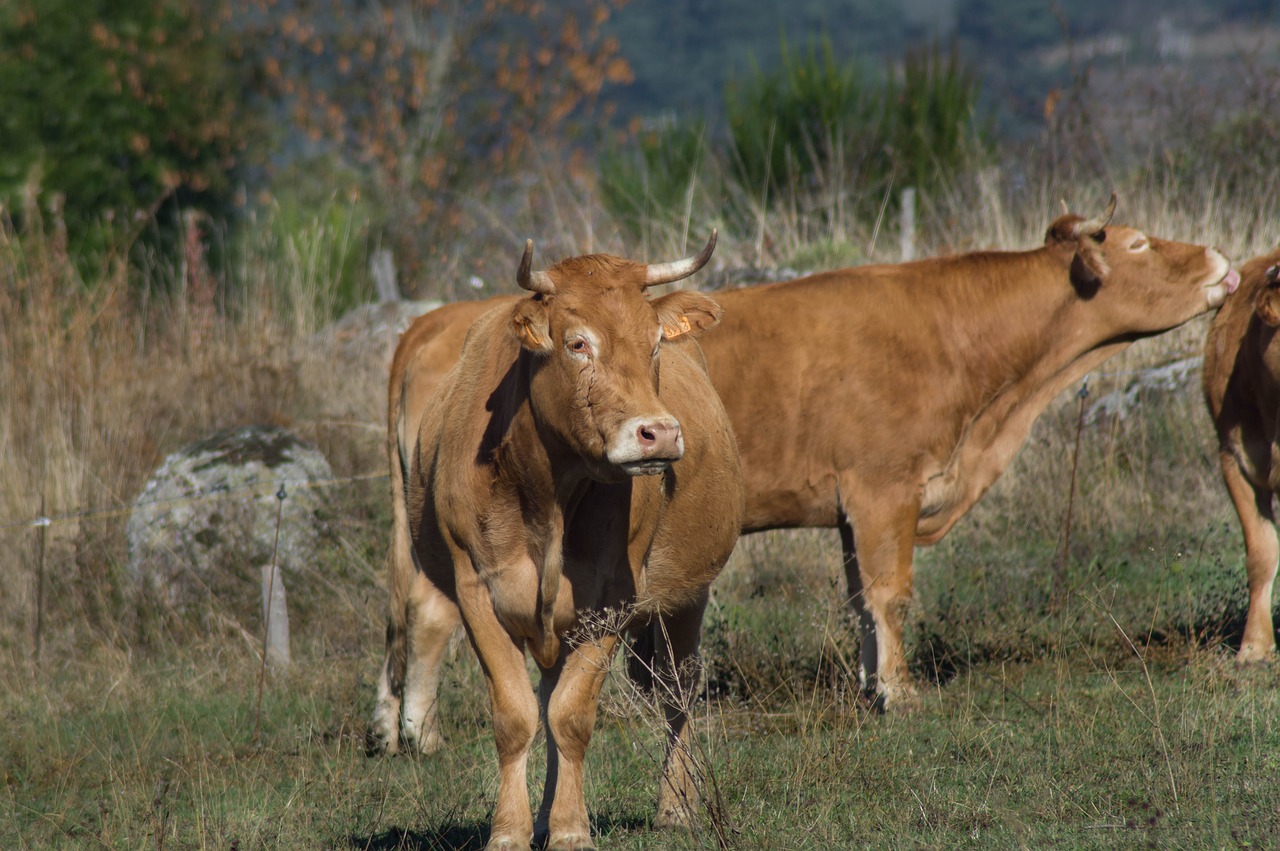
(659, 439)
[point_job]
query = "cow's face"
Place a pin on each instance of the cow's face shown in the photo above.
(598, 343)
(1140, 283)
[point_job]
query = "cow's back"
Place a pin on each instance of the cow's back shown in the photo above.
(845, 351)
(427, 350)
(1241, 372)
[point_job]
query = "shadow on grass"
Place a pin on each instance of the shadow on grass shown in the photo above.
(457, 837)
(474, 835)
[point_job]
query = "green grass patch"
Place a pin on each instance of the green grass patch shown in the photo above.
(1078, 749)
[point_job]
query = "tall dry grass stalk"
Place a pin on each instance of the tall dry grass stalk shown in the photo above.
(100, 377)
(104, 375)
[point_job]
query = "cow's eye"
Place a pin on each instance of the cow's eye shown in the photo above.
(656, 346)
(1139, 244)
(579, 346)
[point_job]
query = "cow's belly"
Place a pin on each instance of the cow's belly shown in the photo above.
(790, 508)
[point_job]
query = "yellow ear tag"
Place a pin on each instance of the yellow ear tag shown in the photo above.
(670, 331)
(534, 339)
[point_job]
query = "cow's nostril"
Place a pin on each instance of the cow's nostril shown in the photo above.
(659, 439)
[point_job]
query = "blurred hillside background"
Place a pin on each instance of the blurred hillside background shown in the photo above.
(426, 126)
(194, 193)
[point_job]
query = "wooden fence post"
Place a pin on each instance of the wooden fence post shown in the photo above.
(275, 616)
(907, 224)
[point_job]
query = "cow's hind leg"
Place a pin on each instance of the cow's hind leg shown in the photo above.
(878, 569)
(432, 620)
(384, 729)
(1257, 521)
(402, 573)
(570, 695)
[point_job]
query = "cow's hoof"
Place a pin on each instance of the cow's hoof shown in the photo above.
(380, 741)
(428, 744)
(674, 818)
(904, 702)
(1251, 653)
(383, 736)
(507, 843)
(571, 842)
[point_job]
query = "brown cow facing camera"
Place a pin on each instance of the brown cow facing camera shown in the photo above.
(560, 489)
(1242, 386)
(884, 400)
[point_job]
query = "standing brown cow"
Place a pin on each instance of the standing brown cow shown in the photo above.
(555, 482)
(1242, 386)
(885, 400)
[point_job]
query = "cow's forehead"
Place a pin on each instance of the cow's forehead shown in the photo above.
(621, 310)
(598, 270)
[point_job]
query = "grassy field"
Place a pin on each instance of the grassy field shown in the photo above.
(1100, 708)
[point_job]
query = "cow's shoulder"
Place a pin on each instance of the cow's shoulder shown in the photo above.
(1237, 357)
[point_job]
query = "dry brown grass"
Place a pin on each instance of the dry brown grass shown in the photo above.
(102, 377)
(99, 381)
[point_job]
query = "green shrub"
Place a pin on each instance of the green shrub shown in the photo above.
(930, 117)
(816, 123)
(108, 109)
(655, 177)
(1238, 153)
(790, 125)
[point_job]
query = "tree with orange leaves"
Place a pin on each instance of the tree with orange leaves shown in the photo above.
(428, 99)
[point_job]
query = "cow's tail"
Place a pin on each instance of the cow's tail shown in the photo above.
(400, 558)
(641, 657)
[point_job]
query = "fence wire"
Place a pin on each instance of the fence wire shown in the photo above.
(262, 487)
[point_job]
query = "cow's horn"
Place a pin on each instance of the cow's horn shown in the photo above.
(665, 273)
(1090, 227)
(536, 282)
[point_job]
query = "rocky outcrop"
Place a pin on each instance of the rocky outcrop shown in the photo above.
(205, 523)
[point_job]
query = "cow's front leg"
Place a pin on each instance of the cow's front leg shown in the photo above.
(1257, 522)
(571, 693)
(515, 714)
(878, 569)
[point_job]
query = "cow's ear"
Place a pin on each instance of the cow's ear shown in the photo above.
(530, 324)
(1268, 306)
(1088, 268)
(686, 312)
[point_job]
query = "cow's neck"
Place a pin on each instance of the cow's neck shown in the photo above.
(1033, 339)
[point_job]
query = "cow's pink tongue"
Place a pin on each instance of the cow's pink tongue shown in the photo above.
(1232, 280)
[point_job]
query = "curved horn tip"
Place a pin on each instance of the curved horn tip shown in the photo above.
(1065, 209)
(666, 273)
(537, 282)
(526, 264)
(1111, 207)
(1090, 227)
